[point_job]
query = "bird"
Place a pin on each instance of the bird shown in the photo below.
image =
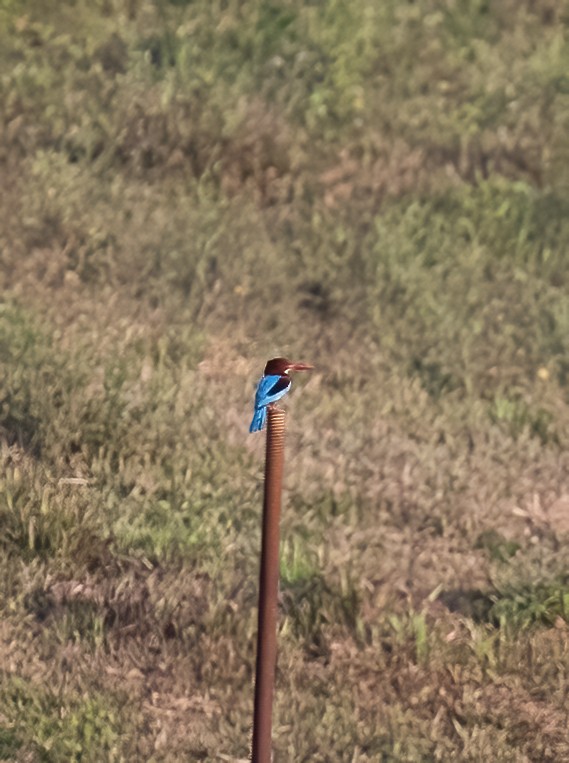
(274, 383)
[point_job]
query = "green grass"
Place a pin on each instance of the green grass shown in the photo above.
(189, 188)
(54, 728)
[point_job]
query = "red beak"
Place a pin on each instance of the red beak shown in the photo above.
(300, 367)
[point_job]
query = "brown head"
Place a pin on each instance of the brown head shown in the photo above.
(281, 366)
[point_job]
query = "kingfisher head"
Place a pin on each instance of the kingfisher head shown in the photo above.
(281, 366)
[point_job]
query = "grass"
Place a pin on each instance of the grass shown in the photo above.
(189, 188)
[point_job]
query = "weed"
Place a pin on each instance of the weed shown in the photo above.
(189, 188)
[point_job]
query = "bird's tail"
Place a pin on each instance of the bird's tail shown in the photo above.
(259, 418)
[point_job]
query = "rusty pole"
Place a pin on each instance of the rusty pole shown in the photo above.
(268, 588)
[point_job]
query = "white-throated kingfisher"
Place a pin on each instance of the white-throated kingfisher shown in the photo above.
(274, 383)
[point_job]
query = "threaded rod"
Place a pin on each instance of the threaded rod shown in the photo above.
(268, 588)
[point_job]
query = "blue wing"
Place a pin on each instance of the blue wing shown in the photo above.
(269, 390)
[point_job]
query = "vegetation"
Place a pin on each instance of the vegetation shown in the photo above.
(190, 187)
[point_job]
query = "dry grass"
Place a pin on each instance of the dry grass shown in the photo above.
(188, 188)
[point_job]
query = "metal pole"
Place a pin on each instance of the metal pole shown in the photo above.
(268, 588)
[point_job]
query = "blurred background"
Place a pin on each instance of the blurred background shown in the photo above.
(189, 187)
